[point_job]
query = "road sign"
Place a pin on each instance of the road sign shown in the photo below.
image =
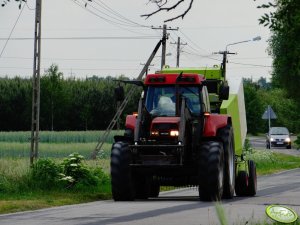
(269, 114)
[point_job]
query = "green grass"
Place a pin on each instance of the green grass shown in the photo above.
(38, 200)
(51, 150)
(18, 194)
(57, 136)
(268, 162)
(54, 144)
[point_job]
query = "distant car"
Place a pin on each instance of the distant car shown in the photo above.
(278, 137)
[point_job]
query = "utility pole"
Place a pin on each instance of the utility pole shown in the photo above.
(224, 61)
(35, 120)
(164, 42)
(178, 49)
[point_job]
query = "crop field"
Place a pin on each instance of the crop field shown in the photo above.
(54, 144)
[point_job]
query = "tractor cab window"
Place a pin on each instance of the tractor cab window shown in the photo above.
(161, 101)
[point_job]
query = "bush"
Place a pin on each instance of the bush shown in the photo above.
(75, 172)
(45, 174)
(297, 142)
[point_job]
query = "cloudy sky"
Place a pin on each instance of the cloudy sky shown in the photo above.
(109, 37)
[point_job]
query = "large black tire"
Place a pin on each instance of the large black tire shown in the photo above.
(226, 135)
(289, 146)
(241, 183)
(121, 175)
(252, 182)
(246, 184)
(211, 171)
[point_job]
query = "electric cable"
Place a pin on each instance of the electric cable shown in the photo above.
(11, 32)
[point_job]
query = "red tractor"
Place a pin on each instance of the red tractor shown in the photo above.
(176, 139)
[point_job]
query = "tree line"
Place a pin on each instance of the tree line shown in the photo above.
(90, 104)
(65, 104)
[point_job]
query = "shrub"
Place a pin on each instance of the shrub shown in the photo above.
(75, 172)
(297, 142)
(45, 174)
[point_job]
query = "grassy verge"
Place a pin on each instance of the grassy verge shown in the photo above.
(20, 191)
(19, 202)
(268, 162)
(14, 172)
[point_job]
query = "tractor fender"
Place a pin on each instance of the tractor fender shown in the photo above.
(130, 122)
(213, 122)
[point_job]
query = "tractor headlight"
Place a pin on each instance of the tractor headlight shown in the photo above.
(174, 133)
(288, 139)
(155, 133)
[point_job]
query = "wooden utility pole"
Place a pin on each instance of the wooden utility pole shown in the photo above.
(224, 61)
(178, 50)
(164, 42)
(35, 120)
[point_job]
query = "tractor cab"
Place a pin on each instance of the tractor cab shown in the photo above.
(163, 100)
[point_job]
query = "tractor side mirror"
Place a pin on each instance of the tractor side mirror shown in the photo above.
(119, 93)
(224, 92)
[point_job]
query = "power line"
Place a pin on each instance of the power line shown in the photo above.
(195, 44)
(106, 7)
(115, 23)
(92, 12)
(246, 64)
(111, 16)
(86, 38)
(81, 69)
(202, 56)
(76, 59)
(11, 32)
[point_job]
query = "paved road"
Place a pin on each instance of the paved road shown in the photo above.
(171, 208)
(260, 143)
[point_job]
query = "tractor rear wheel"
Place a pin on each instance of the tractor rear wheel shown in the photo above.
(226, 135)
(211, 171)
(121, 175)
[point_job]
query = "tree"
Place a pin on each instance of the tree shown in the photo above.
(52, 96)
(254, 107)
(284, 45)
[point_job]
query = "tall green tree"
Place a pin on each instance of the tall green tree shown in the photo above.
(284, 24)
(52, 97)
(254, 107)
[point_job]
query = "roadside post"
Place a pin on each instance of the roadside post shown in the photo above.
(268, 115)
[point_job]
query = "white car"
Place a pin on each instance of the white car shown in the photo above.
(278, 137)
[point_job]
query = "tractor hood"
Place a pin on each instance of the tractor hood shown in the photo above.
(159, 120)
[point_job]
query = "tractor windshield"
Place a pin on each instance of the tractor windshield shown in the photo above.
(161, 101)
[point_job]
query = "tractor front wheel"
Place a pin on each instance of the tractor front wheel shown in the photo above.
(211, 171)
(121, 176)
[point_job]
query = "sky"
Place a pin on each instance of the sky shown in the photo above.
(109, 37)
